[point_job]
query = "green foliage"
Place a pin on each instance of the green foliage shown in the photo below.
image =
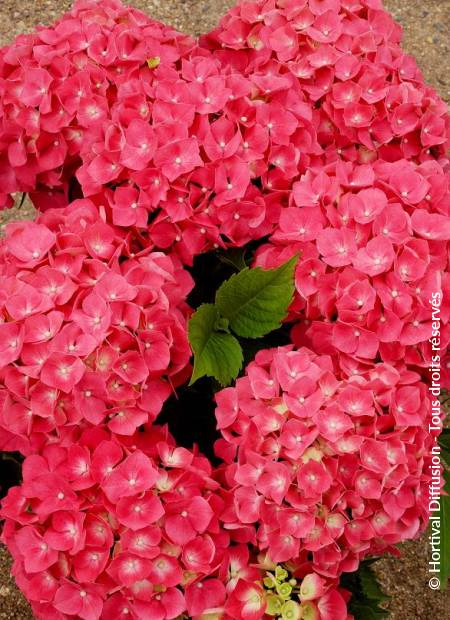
(444, 512)
(444, 442)
(444, 515)
(255, 301)
(251, 303)
(367, 595)
(216, 352)
(445, 400)
(235, 257)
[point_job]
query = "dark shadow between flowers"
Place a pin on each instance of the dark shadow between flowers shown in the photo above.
(190, 412)
(11, 471)
(189, 415)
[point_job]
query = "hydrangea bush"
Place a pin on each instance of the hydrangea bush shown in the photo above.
(242, 245)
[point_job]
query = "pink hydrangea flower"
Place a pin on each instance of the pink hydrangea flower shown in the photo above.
(91, 337)
(325, 476)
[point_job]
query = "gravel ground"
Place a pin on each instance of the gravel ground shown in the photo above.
(425, 24)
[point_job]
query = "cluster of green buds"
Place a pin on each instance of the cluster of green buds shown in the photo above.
(153, 62)
(282, 595)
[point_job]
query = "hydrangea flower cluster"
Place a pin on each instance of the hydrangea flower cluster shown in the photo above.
(194, 138)
(91, 332)
(366, 99)
(129, 106)
(109, 529)
(331, 464)
(58, 91)
(373, 242)
(105, 530)
(297, 124)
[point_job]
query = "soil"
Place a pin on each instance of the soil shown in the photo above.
(426, 36)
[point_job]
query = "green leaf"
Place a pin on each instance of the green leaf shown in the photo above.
(216, 353)
(370, 585)
(362, 611)
(444, 442)
(235, 257)
(444, 515)
(255, 301)
(366, 593)
(445, 400)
